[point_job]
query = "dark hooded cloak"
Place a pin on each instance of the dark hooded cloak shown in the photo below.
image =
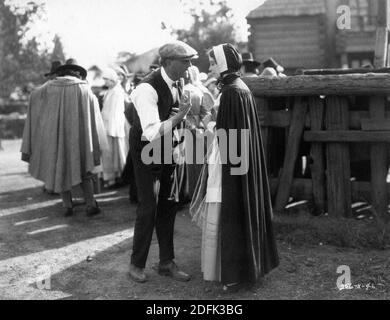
(248, 245)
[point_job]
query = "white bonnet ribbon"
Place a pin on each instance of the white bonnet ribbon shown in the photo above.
(220, 58)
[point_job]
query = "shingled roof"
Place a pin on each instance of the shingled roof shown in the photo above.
(277, 8)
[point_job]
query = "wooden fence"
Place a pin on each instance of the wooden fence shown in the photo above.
(334, 122)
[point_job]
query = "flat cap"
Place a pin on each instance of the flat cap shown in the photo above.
(177, 50)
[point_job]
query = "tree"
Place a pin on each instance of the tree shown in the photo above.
(212, 25)
(22, 60)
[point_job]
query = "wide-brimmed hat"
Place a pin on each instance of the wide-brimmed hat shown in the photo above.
(247, 59)
(71, 64)
(54, 66)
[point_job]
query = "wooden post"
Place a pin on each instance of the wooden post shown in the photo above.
(295, 134)
(379, 161)
(337, 159)
(379, 164)
(317, 166)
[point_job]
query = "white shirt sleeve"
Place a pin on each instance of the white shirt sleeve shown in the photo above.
(145, 101)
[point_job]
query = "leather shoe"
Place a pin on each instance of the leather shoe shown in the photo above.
(172, 270)
(93, 211)
(137, 274)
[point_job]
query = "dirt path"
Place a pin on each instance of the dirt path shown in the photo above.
(88, 258)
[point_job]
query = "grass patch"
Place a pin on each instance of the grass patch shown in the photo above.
(302, 228)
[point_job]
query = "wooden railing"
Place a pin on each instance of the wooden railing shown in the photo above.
(335, 116)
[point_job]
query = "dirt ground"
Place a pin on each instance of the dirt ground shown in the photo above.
(83, 258)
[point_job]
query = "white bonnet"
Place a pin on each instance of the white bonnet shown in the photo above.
(110, 74)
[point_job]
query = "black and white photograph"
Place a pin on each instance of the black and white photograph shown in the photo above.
(194, 157)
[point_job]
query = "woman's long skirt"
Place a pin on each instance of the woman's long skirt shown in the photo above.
(211, 243)
(114, 159)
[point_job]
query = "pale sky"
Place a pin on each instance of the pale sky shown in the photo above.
(94, 31)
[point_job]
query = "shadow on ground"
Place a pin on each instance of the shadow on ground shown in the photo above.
(44, 255)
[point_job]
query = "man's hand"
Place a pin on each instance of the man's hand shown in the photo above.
(177, 115)
(185, 103)
(174, 112)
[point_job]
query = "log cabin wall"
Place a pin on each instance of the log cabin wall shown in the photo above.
(295, 42)
(303, 34)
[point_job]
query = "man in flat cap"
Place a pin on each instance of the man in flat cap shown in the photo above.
(159, 108)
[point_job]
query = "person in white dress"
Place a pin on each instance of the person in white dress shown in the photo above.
(114, 119)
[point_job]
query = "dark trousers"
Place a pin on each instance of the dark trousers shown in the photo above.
(154, 210)
(129, 178)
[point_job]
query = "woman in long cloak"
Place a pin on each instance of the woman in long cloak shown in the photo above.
(236, 212)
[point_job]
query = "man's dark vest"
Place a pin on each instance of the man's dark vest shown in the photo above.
(165, 103)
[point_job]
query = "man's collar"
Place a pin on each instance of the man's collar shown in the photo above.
(166, 78)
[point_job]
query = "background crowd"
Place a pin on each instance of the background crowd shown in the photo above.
(115, 105)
